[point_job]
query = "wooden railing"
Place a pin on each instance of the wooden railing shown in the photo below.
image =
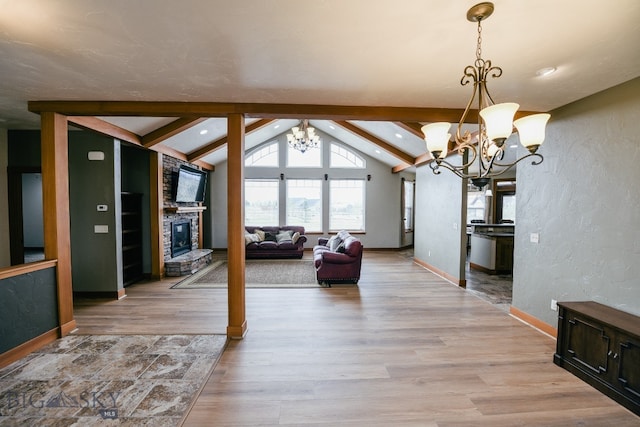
(18, 270)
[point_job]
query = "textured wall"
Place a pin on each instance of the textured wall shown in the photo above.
(584, 201)
(440, 223)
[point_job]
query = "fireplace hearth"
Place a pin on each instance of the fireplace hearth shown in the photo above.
(180, 238)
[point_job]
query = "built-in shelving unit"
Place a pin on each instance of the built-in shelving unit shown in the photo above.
(131, 238)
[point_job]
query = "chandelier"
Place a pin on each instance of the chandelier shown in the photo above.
(303, 137)
(495, 123)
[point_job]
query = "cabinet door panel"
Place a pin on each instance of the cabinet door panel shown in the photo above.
(588, 345)
(629, 368)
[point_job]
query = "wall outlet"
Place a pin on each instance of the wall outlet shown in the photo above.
(100, 229)
(534, 238)
(455, 225)
(554, 305)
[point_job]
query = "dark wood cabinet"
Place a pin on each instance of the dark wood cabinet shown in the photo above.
(131, 238)
(601, 345)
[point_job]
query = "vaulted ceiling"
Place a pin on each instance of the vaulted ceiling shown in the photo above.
(374, 53)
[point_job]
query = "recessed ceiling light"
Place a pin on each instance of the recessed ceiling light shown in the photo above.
(547, 71)
(204, 132)
(377, 151)
(332, 126)
(276, 126)
(398, 136)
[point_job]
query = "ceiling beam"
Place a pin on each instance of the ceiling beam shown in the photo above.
(414, 128)
(394, 151)
(220, 142)
(171, 129)
(105, 128)
(275, 111)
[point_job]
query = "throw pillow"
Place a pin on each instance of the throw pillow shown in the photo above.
(250, 238)
(333, 243)
(260, 234)
(269, 236)
(295, 237)
(341, 247)
(283, 236)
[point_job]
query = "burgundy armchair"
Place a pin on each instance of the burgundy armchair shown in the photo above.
(338, 260)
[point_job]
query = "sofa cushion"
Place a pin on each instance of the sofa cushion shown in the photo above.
(267, 245)
(295, 237)
(283, 236)
(270, 236)
(260, 233)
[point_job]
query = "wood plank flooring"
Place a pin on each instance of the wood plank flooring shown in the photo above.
(403, 348)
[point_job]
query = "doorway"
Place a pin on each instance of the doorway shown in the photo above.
(26, 216)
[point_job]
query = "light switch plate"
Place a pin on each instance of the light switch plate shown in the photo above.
(102, 208)
(534, 238)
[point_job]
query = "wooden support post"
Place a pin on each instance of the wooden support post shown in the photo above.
(157, 214)
(237, 327)
(55, 200)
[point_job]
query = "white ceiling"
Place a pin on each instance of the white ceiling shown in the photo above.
(408, 53)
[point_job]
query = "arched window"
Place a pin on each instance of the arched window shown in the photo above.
(342, 157)
(265, 156)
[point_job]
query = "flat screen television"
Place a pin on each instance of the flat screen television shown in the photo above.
(189, 185)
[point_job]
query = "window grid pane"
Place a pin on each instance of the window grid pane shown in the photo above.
(344, 158)
(261, 202)
(304, 203)
(263, 157)
(346, 204)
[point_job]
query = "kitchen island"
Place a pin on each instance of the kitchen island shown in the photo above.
(491, 248)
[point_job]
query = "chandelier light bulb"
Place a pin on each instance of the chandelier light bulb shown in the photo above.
(531, 130)
(437, 136)
(498, 121)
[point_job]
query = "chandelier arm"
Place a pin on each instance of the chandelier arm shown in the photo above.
(446, 165)
(535, 162)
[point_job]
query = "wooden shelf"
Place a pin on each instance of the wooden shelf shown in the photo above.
(184, 209)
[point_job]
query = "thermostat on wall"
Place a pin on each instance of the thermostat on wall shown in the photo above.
(95, 155)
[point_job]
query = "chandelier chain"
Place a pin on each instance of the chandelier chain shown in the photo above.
(479, 48)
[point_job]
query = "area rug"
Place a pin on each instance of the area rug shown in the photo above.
(258, 274)
(88, 380)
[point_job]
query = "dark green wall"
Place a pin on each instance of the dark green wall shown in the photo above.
(28, 307)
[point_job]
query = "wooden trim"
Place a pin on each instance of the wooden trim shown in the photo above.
(156, 202)
(184, 209)
(165, 132)
(533, 321)
(237, 332)
(55, 197)
(481, 268)
(105, 128)
(18, 270)
(454, 280)
(67, 328)
(411, 127)
(235, 222)
(28, 347)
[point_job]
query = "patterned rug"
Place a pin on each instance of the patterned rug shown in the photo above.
(258, 274)
(89, 380)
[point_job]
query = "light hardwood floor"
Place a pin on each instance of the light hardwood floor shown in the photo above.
(403, 348)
